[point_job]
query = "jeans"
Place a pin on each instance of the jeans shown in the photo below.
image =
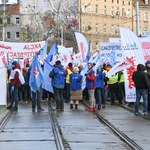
(67, 92)
(36, 99)
(100, 96)
(141, 93)
(14, 97)
(58, 94)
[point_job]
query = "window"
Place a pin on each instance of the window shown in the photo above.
(8, 20)
(112, 1)
(83, 27)
(112, 11)
(96, 8)
(122, 2)
(17, 35)
(89, 27)
(105, 12)
(104, 28)
(8, 35)
(117, 1)
(89, 8)
(117, 12)
(96, 28)
(83, 8)
(145, 16)
(112, 29)
(123, 12)
(17, 20)
(128, 13)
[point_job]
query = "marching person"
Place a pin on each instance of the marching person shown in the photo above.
(90, 78)
(16, 79)
(58, 82)
(99, 89)
(69, 71)
(75, 86)
(142, 86)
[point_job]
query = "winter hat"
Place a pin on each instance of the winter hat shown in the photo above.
(14, 63)
(75, 69)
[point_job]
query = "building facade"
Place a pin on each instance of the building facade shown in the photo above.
(100, 20)
(9, 22)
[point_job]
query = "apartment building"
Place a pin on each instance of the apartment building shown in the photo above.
(9, 21)
(101, 19)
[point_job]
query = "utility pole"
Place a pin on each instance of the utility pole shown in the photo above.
(4, 9)
(137, 17)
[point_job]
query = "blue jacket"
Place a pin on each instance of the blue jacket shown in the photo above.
(99, 80)
(58, 77)
(75, 81)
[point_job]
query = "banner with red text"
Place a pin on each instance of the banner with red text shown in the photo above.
(133, 52)
(19, 50)
(82, 44)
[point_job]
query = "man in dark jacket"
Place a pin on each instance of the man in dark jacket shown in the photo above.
(148, 73)
(142, 86)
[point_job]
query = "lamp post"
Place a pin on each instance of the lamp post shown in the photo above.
(137, 17)
(4, 9)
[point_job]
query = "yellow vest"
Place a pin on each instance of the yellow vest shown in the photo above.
(67, 77)
(113, 79)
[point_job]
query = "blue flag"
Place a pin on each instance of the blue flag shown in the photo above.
(47, 84)
(43, 51)
(53, 51)
(36, 75)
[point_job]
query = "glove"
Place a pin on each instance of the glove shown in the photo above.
(12, 88)
(86, 74)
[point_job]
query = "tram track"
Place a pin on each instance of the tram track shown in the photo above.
(131, 144)
(61, 143)
(5, 121)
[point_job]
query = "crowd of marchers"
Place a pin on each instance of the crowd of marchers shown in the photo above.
(67, 86)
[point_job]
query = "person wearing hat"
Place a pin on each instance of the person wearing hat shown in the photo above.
(16, 79)
(142, 87)
(75, 87)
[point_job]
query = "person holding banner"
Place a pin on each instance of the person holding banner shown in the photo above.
(142, 86)
(90, 78)
(16, 79)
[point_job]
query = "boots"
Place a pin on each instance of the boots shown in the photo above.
(71, 106)
(76, 106)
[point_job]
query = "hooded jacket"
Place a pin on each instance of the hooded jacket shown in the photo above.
(58, 77)
(140, 78)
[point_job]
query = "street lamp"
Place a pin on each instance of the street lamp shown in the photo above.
(4, 9)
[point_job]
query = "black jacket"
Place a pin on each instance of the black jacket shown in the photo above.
(140, 78)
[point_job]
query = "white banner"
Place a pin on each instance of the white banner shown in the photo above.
(118, 67)
(82, 44)
(3, 87)
(107, 48)
(134, 54)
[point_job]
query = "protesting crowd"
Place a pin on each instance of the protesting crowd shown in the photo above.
(67, 85)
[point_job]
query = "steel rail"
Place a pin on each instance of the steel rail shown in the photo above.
(119, 133)
(5, 120)
(55, 128)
